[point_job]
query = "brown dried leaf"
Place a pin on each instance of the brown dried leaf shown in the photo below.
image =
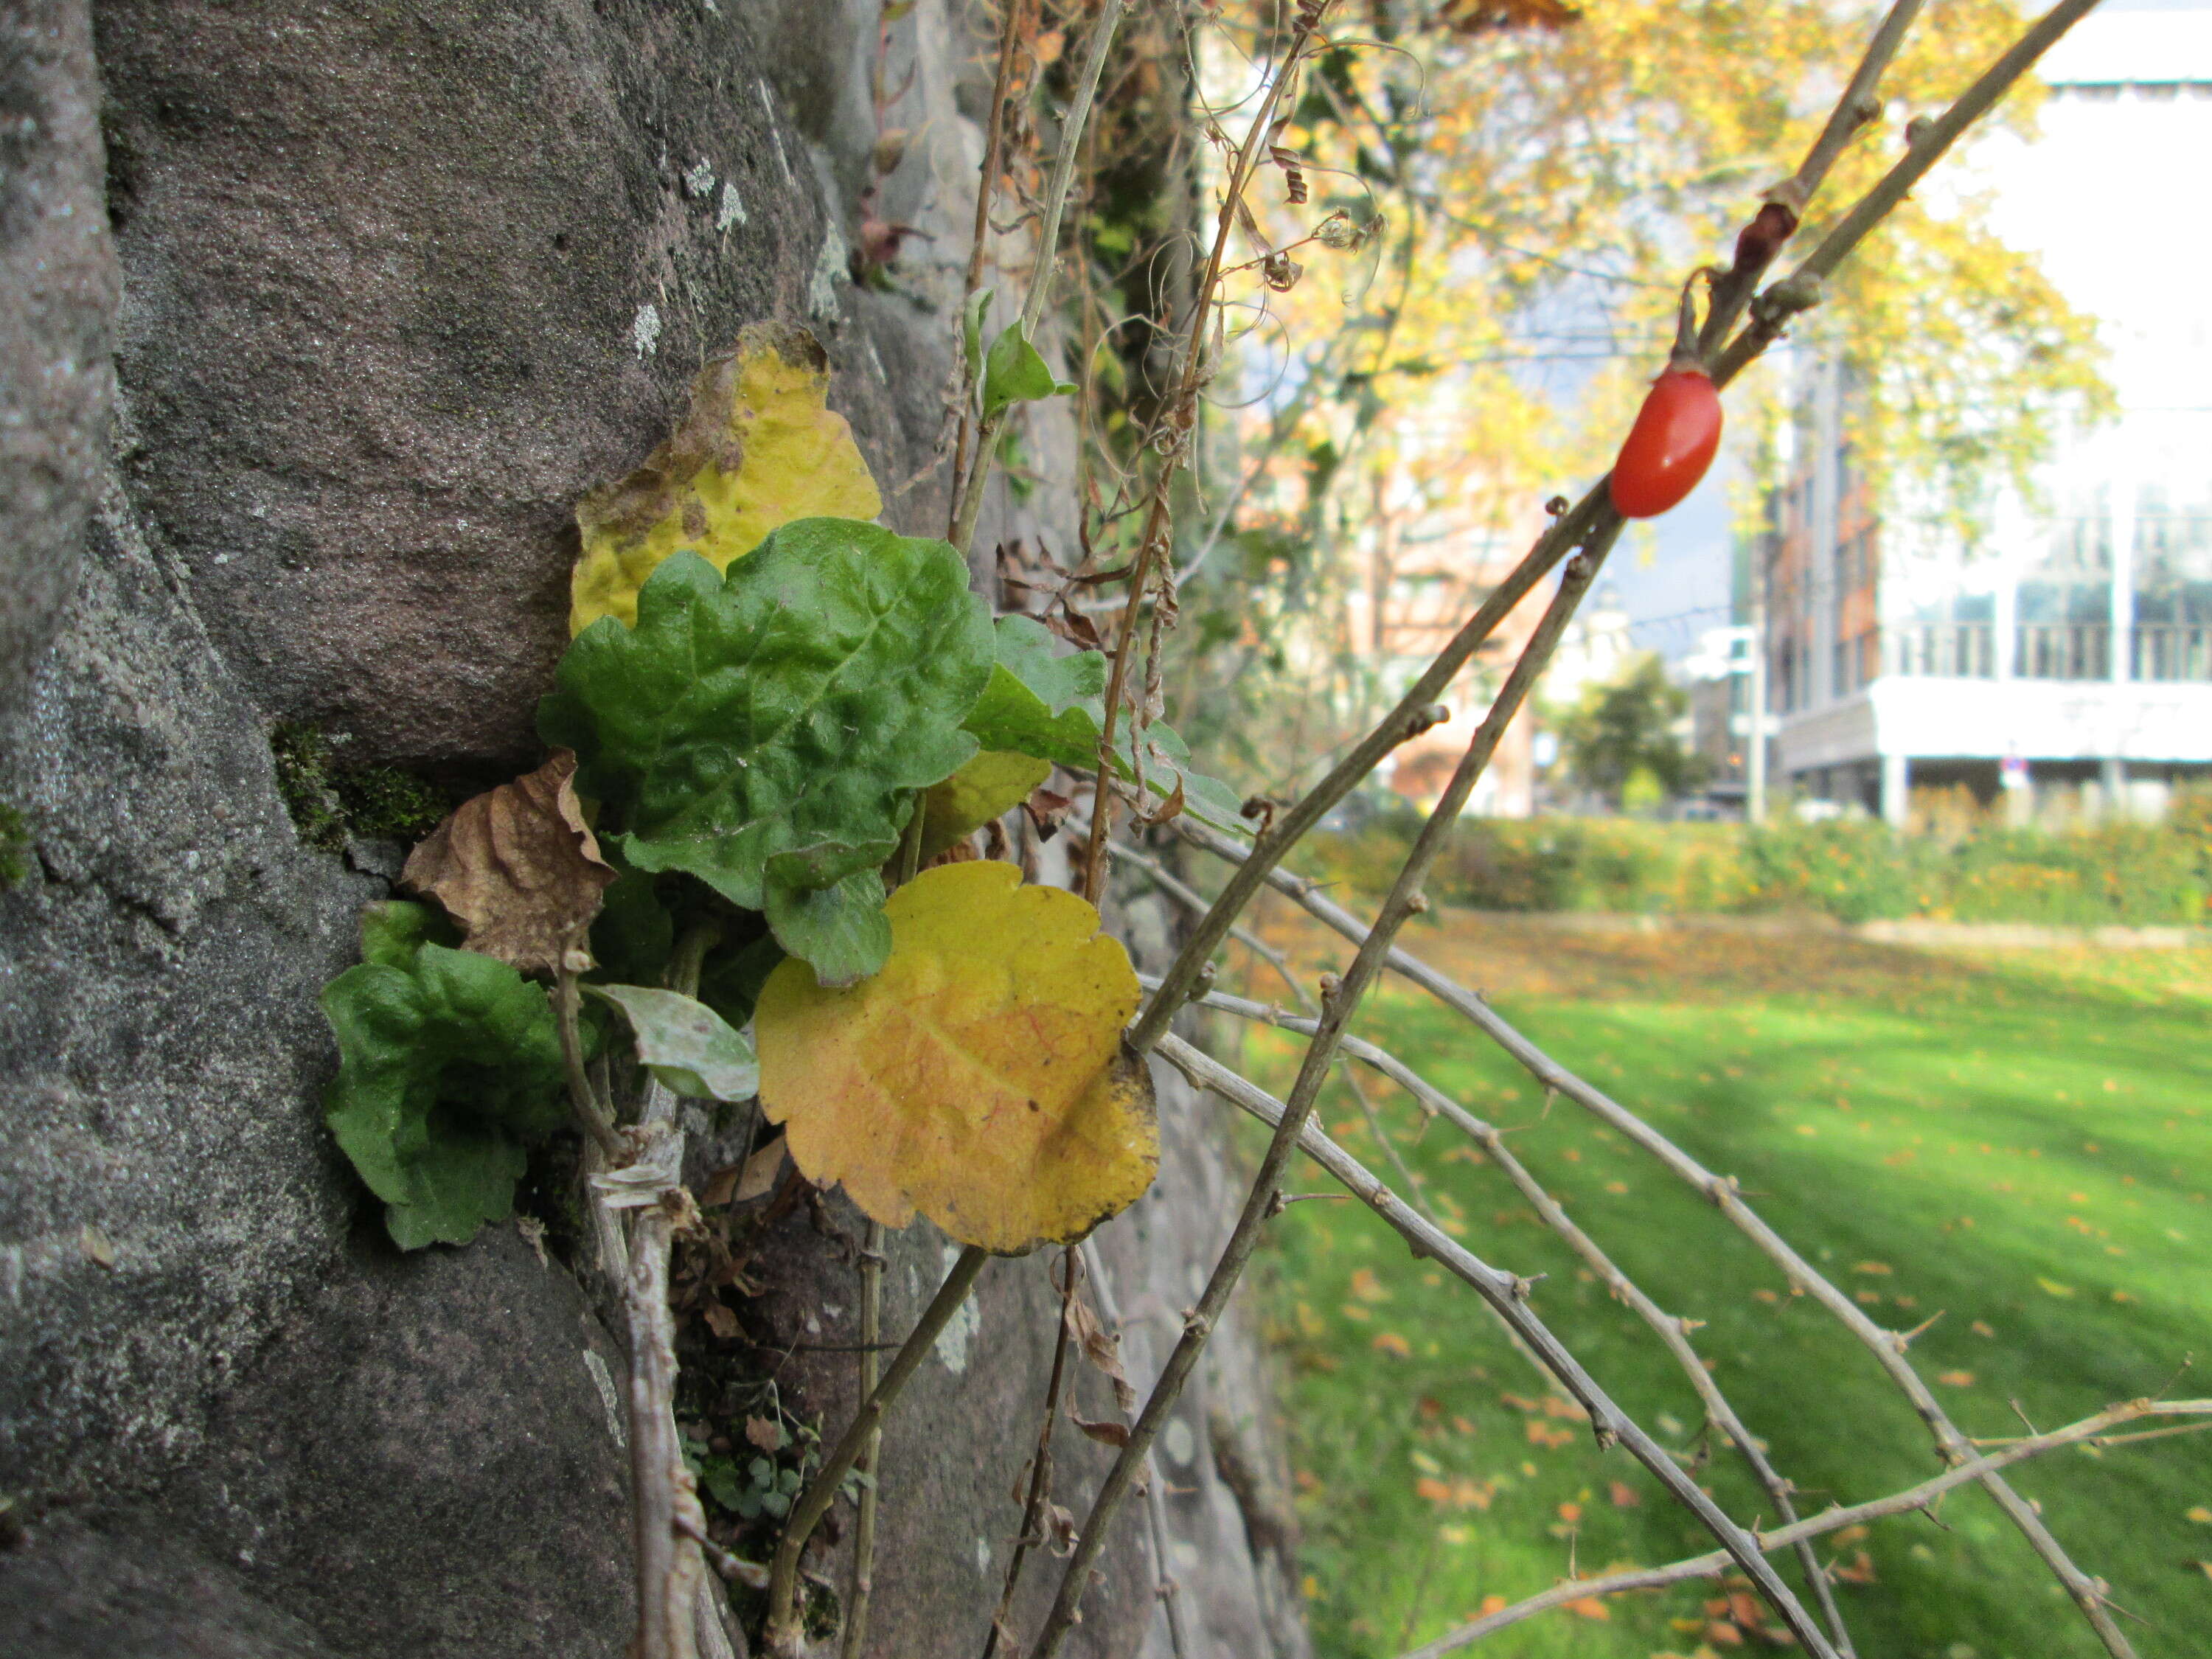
(1106, 1434)
(761, 1171)
(721, 1319)
(765, 1432)
(1102, 1350)
(1060, 1526)
(518, 867)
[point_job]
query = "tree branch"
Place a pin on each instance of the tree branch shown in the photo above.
(1507, 1296)
(1723, 1192)
(2089, 1430)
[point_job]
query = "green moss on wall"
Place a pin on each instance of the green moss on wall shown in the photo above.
(331, 799)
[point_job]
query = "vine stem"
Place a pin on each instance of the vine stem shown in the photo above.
(1178, 422)
(591, 1113)
(971, 500)
(871, 1456)
(994, 140)
(786, 1633)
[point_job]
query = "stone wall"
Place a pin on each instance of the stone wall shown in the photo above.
(398, 281)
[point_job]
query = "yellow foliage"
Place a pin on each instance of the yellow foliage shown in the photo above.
(979, 792)
(980, 1078)
(758, 448)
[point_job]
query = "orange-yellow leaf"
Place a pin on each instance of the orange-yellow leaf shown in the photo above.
(1955, 1379)
(518, 867)
(758, 448)
(1590, 1606)
(1391, 1342)
(979, 1077)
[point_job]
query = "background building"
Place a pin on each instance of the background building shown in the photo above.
(2067, 649)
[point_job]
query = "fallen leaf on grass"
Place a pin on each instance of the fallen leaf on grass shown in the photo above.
(1955, 1379)
(1623, 1496)
(2200, 1515)
(1391, 1342)
(518, 867)
(979, 1077)
(1590, 1606)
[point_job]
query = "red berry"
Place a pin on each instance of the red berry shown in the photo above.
(1670, 446)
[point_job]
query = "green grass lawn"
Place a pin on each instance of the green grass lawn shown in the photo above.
(2013, 1149)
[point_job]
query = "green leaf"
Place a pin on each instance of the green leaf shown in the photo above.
(1014, 374)
(730, 980)
(840, 931)
(686, 1045)
(391, 933)
(1037, 703)
(633, 936)
(767, 732)
(448, 1062)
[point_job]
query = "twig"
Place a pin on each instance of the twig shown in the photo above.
(1801, 288)
(872, 1458)
(1671, 1330)
(1723, 1192)
(1404, 900)
(2089, 1430)
(1040, 277)
(1859, 105)
(785, 1634)
(1508, 1297)
(591, 1113)
(1039, 1492)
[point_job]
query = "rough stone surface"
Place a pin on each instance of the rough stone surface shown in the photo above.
(387, 279)
(58, 273)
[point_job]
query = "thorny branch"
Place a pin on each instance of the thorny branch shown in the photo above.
(1672, 1330)
(1723, 1192)
(1507, 1296)
(2090, 1431)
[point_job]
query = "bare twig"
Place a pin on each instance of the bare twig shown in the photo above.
(785, 1634)
(1671, 1330)
(872, 1457)
(1771, 311)
(1859, 105)
(1507, 1296)
(1723, 1193)
(2088, 1431)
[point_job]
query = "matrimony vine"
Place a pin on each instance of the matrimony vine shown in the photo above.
(747, 876)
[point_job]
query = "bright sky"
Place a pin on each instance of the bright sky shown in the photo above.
(2076, 203)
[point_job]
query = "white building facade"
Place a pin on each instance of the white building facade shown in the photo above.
(2069, 649)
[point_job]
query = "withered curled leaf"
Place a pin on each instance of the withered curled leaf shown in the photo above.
(518, 867)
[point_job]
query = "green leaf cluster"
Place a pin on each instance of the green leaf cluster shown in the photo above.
(768, 730)
(448, 1064)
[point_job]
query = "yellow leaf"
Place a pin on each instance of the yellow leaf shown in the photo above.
(758, 448)
(1367, 1287)
(2054, 1288)
(1391, 1342)
(1955, 1379)
(1590, 1606)
(2200, 1515)
(989, 785)
(979, 1077)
